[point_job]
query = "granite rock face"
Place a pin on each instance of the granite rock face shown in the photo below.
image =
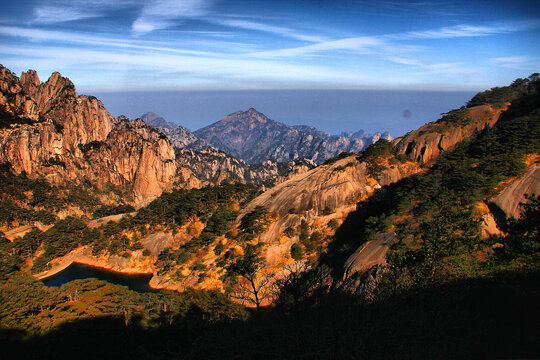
(254, 138)
(510, 198)
(47, 130)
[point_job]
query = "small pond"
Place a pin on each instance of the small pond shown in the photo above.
(135, 282)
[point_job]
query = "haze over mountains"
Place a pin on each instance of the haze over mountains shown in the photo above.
(254, 138)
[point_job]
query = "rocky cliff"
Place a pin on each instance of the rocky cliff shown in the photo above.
(426, 143)
(182, 138)
(47, 130)
(254, 138)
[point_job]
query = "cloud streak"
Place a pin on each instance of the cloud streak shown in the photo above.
(68, 37)
(382, 43)
(52, 15)
(202, 69)
(465, 30)
(278, 30)
(516, 62)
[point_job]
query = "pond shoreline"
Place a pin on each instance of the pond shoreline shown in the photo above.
(136, 265)
(78, 271)
(81, 256)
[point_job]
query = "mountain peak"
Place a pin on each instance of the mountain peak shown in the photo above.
(251, 115)
(254, 138)
(157, 121)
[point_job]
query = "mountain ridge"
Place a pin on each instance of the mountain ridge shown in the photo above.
(253, 137)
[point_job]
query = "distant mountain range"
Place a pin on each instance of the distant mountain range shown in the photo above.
(254, 138)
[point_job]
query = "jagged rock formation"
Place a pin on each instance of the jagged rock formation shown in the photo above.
(212, 166)
(253, 137)
(179, 136)
(426, 143)
(182, 138)
(47, 130)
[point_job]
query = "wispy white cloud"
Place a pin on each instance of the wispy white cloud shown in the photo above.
(465, 30)
(444, 69)
(162, 14)
(214, 71)
(390, 44)
(279, 30)
(423, 8)
(356, 44)
(517, 62)
(403, 60)
(69, 37)
(58, 11)
(53, 15)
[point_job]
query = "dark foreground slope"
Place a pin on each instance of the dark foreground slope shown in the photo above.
(491, 318)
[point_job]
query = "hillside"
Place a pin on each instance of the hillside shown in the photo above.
(254, 138)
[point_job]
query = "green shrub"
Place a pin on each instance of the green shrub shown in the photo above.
(296, 252)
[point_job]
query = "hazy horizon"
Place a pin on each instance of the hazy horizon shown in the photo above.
(333, 111)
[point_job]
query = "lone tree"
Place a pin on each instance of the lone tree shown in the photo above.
(251, 286)
(255, 221)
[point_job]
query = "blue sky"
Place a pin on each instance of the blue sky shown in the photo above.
(132, 45)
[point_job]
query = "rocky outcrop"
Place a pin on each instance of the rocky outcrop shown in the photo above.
(254, 138)
(52, 132)
(327, 188)
(155, 243)
(134, 154)
(425, 144)
(510, 198)
(369, 254)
